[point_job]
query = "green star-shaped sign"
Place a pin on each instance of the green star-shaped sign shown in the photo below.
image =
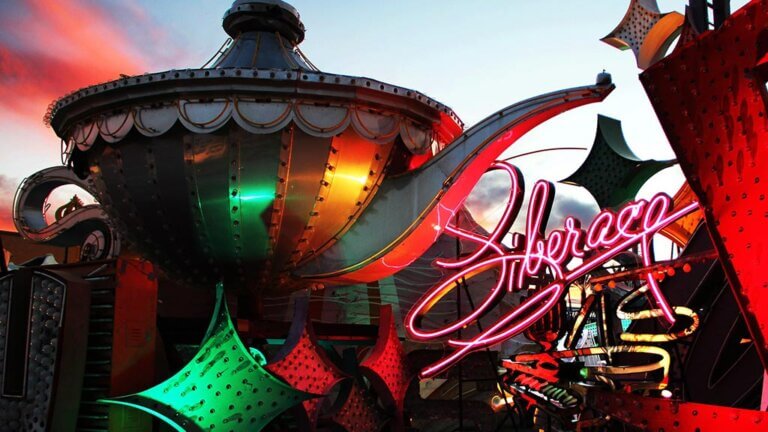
(224, 387)
(612, 173)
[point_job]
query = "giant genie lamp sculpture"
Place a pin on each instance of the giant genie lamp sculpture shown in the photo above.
(267, 175)
(265, 171)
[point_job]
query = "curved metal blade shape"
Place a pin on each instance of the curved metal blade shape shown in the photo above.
(74, 227)
(410, 211)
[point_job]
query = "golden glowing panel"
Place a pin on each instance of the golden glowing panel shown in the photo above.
(353, 172)
(303, 165)
(682, 229)
(658, 40)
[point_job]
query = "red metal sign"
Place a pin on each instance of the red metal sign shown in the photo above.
(710, 97)
(655, 414)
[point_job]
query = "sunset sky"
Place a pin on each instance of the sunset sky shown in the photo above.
(476, 57)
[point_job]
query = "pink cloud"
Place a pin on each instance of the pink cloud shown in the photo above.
(49, 48)
(7, 189)
(52, 47)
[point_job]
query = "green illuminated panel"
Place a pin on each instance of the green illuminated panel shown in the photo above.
(258, 159)
(224, 387)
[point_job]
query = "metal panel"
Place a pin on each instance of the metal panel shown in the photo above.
(352, 180)
(711, 100)
(43, 384)
(303, 364)
(18, 326)
(388, 367)
(306, 168)
(612, 173)
(210, 162)
(671, 415)
(173, 212)
(253, 180)
(646, 31)
(71, 354)
(133, 340)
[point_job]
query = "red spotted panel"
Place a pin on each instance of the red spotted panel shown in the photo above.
(303, 364)
(387, 366)
(359, 412)
(710, 97)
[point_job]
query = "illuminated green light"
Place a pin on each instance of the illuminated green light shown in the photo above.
(253, 200)
(265, 197)
(223, 387)
(584, 372)
(258, 356)
(147, 410)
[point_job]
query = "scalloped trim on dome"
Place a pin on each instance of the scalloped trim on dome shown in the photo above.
(255, 116)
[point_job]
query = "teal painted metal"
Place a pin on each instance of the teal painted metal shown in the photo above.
(223, 387)
(612, 173)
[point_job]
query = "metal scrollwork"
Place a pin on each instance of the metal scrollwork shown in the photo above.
(87, 226)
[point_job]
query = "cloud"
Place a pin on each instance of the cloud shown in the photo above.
(8, 187)
(572, 201)
(49, 48)
(489, 199)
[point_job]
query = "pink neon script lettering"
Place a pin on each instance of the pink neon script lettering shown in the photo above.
(609, 234)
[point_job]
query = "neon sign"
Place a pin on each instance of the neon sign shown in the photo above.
(531, 254)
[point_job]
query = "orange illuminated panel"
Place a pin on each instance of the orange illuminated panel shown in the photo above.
(681, 230)
(352, 175)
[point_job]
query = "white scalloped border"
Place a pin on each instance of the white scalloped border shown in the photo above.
(255, 116)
